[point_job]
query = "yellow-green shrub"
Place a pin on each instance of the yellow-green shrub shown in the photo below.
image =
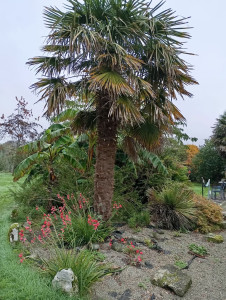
(209, 214)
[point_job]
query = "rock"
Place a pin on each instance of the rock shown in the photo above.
(94, 247)
(126, 295)
(223, 225)
(63, 280)
(113, 294)
(223, 205)
(214, 238)
(14, 233)
(117, 247)
(170, 277)
(148, 265)
(159, 231)
(224, 215)
(166, 252)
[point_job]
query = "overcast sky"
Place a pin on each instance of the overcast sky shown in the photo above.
(22, 31)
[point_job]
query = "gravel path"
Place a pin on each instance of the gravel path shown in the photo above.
(208, 275)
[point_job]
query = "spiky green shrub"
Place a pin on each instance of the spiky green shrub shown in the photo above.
(173, 208)
(88, 271)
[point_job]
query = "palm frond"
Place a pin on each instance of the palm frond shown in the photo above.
(84, 120)
(112, 82)
(125, 110)
(56, 91)
(146, 134)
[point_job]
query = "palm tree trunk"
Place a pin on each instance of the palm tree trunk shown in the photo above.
(105, 159)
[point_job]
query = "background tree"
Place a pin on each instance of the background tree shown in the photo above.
(18, 126)
(19, 129)
(207, 164)
(191, 151)
(122, 59)
(219, 135)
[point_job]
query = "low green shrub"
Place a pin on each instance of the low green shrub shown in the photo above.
(200, 250)
(139, 219)
(181, 264)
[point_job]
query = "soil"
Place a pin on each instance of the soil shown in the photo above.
(134, 282)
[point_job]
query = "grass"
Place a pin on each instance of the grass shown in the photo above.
(18, 281)
(197, 188)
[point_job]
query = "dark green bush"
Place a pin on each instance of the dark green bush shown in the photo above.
(139, 219)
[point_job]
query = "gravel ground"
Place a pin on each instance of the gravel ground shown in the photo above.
(133, 283)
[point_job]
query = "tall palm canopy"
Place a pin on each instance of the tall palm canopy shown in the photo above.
(121, 59)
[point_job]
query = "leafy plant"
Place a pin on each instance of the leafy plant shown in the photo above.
(173, 207)
(180, 264)
(200, 250)
(149, 243)
(139, 219)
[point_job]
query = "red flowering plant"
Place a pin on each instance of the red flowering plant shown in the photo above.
(85, 226)
(70, 224)
(134, 254)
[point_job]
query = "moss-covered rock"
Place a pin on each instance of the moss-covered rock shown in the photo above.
(215, 238)
(223, 225)
(171, 277)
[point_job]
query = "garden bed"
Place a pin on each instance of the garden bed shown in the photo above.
(208, 274)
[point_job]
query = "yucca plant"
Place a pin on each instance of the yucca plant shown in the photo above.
(121, 60)
(173, 208)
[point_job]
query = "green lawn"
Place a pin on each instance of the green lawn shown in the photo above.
(18, 281)
(197, 188)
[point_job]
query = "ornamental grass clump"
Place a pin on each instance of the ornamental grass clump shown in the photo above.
(173, 208)
(86, 268)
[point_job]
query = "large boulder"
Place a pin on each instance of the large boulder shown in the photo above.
(171, 277)
(63, 280)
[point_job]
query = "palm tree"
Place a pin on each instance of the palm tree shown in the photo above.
(121, 60)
